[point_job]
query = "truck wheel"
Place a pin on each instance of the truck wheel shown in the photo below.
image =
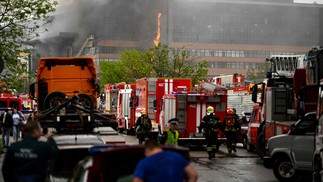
(317, 166)
(86, 101)
(284, 170)
(260, 146)
(54, 99)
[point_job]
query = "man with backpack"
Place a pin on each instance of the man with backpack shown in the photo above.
(143, 127)
(211, 125)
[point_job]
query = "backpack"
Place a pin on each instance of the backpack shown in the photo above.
(145, 122)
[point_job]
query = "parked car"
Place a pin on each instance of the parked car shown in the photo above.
(72, 149)
(290, 153)
(114, 163)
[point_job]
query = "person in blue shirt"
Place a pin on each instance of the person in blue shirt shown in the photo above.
(163, 166)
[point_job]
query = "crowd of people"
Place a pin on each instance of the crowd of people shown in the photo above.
(210, 126)
(13, 121)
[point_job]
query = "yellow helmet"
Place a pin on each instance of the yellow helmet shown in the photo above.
(210, 109)
(143, 111)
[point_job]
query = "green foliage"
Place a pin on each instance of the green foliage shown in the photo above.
(158, 61)
(20, 21)
(259, 74)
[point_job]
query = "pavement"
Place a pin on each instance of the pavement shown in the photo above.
(199, 152)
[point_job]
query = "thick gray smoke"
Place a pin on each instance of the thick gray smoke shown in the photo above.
(126, 20)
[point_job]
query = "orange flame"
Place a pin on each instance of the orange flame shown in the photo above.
(156, 40)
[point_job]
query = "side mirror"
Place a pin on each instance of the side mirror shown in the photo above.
(97, 89)
(133, 102)
(292, 128)
(155, 105)
(254, 93)
(32, 90)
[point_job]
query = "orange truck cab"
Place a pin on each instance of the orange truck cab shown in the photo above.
(58, 78)
(66, 91)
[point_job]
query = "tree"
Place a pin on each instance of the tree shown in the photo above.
(20, 21)
(259, 74)
(158, 61)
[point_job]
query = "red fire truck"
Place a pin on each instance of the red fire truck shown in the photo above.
(190, 108)
(127, 102)
(150, 92)
(9, 102)
(111, 97)
(119, 100)
(8, 99)
(284, 98)
(229, 81)
(28, 104)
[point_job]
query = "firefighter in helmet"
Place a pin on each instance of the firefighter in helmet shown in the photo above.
(143, 127)
(211, 125)
(231, 128)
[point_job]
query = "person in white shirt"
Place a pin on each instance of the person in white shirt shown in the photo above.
(17, 118)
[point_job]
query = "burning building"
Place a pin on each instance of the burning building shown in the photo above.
(232, 35)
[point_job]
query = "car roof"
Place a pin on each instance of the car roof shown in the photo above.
(79, 139)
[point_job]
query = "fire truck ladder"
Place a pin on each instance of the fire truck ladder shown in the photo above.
(211, 88)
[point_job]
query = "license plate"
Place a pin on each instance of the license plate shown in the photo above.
(198, 134)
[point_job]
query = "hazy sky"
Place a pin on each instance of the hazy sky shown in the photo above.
(308, 1)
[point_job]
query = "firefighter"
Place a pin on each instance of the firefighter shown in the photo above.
(235, 113)
(211, 125)
(143, 127)
(231, 128)
(171, 135)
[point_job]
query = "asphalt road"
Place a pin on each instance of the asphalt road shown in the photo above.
(242, 166)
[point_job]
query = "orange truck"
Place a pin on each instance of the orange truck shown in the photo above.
(66, 91)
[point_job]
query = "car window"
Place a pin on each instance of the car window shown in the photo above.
(306, 126)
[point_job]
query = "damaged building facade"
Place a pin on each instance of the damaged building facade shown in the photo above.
(233, 36)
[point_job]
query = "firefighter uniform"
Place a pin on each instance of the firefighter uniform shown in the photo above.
(143, 127)
(211, 125)
(231, 128)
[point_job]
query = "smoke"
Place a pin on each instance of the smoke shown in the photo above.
(106, 19)
(262, 22)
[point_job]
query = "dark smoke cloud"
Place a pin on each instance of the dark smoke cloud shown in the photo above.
(105, 19)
